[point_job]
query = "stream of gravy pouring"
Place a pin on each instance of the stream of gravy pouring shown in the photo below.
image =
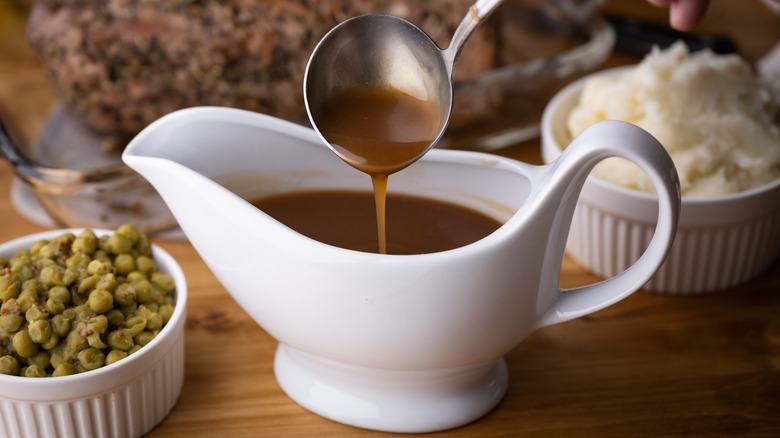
(379, 131)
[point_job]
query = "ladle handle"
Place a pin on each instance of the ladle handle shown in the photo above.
(478, 12)
(483, 8)
(571, 169)
(9, 150)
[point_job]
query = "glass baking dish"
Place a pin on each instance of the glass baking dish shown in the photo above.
(82, 185)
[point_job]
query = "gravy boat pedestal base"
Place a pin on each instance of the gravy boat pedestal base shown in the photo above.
(390, 400)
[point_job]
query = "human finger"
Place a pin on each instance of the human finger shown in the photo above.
(685, 14)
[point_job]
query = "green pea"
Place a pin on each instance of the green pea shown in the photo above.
(143, 338)
(62, 244)
(25, 273)
(98, 324)
(124, 264)
(124, 294)
(143, 291)
(43, 250)
(61, 293)
(51, 343)
(9, 365)
(36, 313)
(101, 254)
(114, 356)
(53, 275)
(134, 325)
(115, 317)
(27, 299)
(154, 321)
(10, 306)
(11, 322)
(85, 243)
(23, 344)
(60, 325)
(143, 246)
(135, 276)
(144, 312)
(120, 340)
(64, 369)
(145, 264)
(88, 283)
(91, 358)
(43, 263)
(38, 246)
(34, 371)
(101, 301)
(9, 288)
(55, 359)
(100, 267)
(40, 331)
(95, 341)
(20, 259)
(130, 232)
(55, 306)
(70, 275)
(75, 341)
(107, 282)
(163, 281)
(166, 311)
(78, 260)
(41, 359)
(34, 283)
(118, 244)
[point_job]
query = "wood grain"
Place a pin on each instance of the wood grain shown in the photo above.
(649, 366)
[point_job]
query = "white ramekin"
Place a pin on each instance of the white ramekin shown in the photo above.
(721, 242)
(125, 399)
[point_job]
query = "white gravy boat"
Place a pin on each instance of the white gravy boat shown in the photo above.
(387, 342)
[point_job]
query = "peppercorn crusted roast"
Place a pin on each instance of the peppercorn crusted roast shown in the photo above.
(120, 64)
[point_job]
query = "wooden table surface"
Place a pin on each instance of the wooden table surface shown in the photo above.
(651, 365)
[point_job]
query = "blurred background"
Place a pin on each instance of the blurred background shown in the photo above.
(78, 79)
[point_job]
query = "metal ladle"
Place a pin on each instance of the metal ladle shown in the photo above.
(377, 50)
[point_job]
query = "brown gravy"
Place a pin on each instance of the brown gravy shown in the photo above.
(347, 219)
(379, 131)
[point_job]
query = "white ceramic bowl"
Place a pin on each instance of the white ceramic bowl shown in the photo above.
(125, 399)
(721, 242)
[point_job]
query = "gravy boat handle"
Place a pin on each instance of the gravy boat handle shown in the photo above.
(603, 140)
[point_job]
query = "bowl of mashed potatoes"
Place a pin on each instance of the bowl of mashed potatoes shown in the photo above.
(719, 123)
(91, 334)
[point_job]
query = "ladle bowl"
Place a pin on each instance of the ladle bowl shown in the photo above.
(384, 51)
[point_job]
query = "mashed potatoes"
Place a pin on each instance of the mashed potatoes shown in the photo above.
(713, 116)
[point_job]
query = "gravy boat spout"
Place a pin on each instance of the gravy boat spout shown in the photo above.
(409, 343)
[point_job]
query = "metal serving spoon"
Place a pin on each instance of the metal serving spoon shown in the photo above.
(375, 51)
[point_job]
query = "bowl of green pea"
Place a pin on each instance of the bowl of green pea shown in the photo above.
(91, 333)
